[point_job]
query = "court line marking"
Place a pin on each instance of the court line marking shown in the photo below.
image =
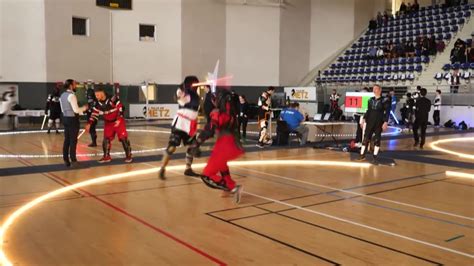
(364, 226)
(352, 236)
(79, 154)
(9, 221)
(362, 195)
(273, 239)
(459, 174)
(434, 146)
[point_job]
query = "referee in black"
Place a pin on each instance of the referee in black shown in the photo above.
(70, 111)
(423, 107)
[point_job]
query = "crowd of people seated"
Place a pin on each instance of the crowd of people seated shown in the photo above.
(462, 52)
(422, 46)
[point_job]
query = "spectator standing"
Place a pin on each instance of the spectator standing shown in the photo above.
(243, 116)
(437, 108)
(423, 106)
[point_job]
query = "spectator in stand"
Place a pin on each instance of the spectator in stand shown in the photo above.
(454, 80)
(432, 42)
(372, 53)
(403, 8)
(425, 47)
(379, 19)
(470, 54)
(385, 18)
(372, 25)
(415, 7)
(379, 53)
(409, 9)
(410, 49)
(400, 50)
(458, 53)
(440, 46)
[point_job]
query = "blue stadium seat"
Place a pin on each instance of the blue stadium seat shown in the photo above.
(373, 78)
(417, 60)
(410, 60)
(471, 65)
(418, 68)
(455, 66)
(465, 66)
(388, 77)
(395, 69)
(403, 68)
(425, 59)
(447, 67)
(411, 68)
(454, 28)
(447, 36)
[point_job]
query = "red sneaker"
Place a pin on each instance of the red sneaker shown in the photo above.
(105, 159)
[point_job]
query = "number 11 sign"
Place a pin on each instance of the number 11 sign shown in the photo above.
(356, 102)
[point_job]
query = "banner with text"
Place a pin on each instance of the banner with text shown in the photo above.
(305, 94)
(154, 111)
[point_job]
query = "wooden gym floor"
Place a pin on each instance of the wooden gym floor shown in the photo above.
(408, 214)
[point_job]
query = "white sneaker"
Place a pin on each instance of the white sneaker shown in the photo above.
(237, 191)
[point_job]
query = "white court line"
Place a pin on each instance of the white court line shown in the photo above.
(363, 225)
(362, 195)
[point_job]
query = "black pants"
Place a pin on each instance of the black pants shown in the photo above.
(359, 128)
(373, 128)
(243, 121)
(436, 117)
(71, 131)
(419, 125)
(92, 130)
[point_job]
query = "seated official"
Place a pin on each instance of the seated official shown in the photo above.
(294, 120)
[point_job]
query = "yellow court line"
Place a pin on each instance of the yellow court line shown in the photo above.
(434, 146)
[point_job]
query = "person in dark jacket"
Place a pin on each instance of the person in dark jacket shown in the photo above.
(423, 107)
(243, 116)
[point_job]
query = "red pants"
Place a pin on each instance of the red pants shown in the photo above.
(110, 130)
(224, 150)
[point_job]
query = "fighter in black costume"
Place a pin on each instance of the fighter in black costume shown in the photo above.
(423, 106)
(184, 125)
(376, 120)
(53, 108)
(91, 101)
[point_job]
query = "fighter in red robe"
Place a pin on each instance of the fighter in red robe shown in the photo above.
(114, 124)
(228, 147)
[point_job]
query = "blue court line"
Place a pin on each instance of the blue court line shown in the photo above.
(454, 238)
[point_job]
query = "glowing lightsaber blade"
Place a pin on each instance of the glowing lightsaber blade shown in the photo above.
(44, 121)
(82, 133)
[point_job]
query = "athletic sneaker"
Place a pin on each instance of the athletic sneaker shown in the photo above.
(105, 159)
(361, 157)
(237, 191)
(190, 172)
(93, 144)
(57, 132)
(161, 173)
(260, 145)
(129, 159)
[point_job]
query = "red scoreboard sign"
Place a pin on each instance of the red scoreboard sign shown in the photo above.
(356, 102)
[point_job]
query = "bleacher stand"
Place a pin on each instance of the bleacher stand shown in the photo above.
(435, 22)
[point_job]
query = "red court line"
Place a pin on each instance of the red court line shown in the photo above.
(128, 214)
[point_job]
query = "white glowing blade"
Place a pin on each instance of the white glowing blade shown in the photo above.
(212, 77)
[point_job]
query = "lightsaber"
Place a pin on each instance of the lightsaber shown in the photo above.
(211, 82)
(394, 117)
(44, 121)
(82, 133)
